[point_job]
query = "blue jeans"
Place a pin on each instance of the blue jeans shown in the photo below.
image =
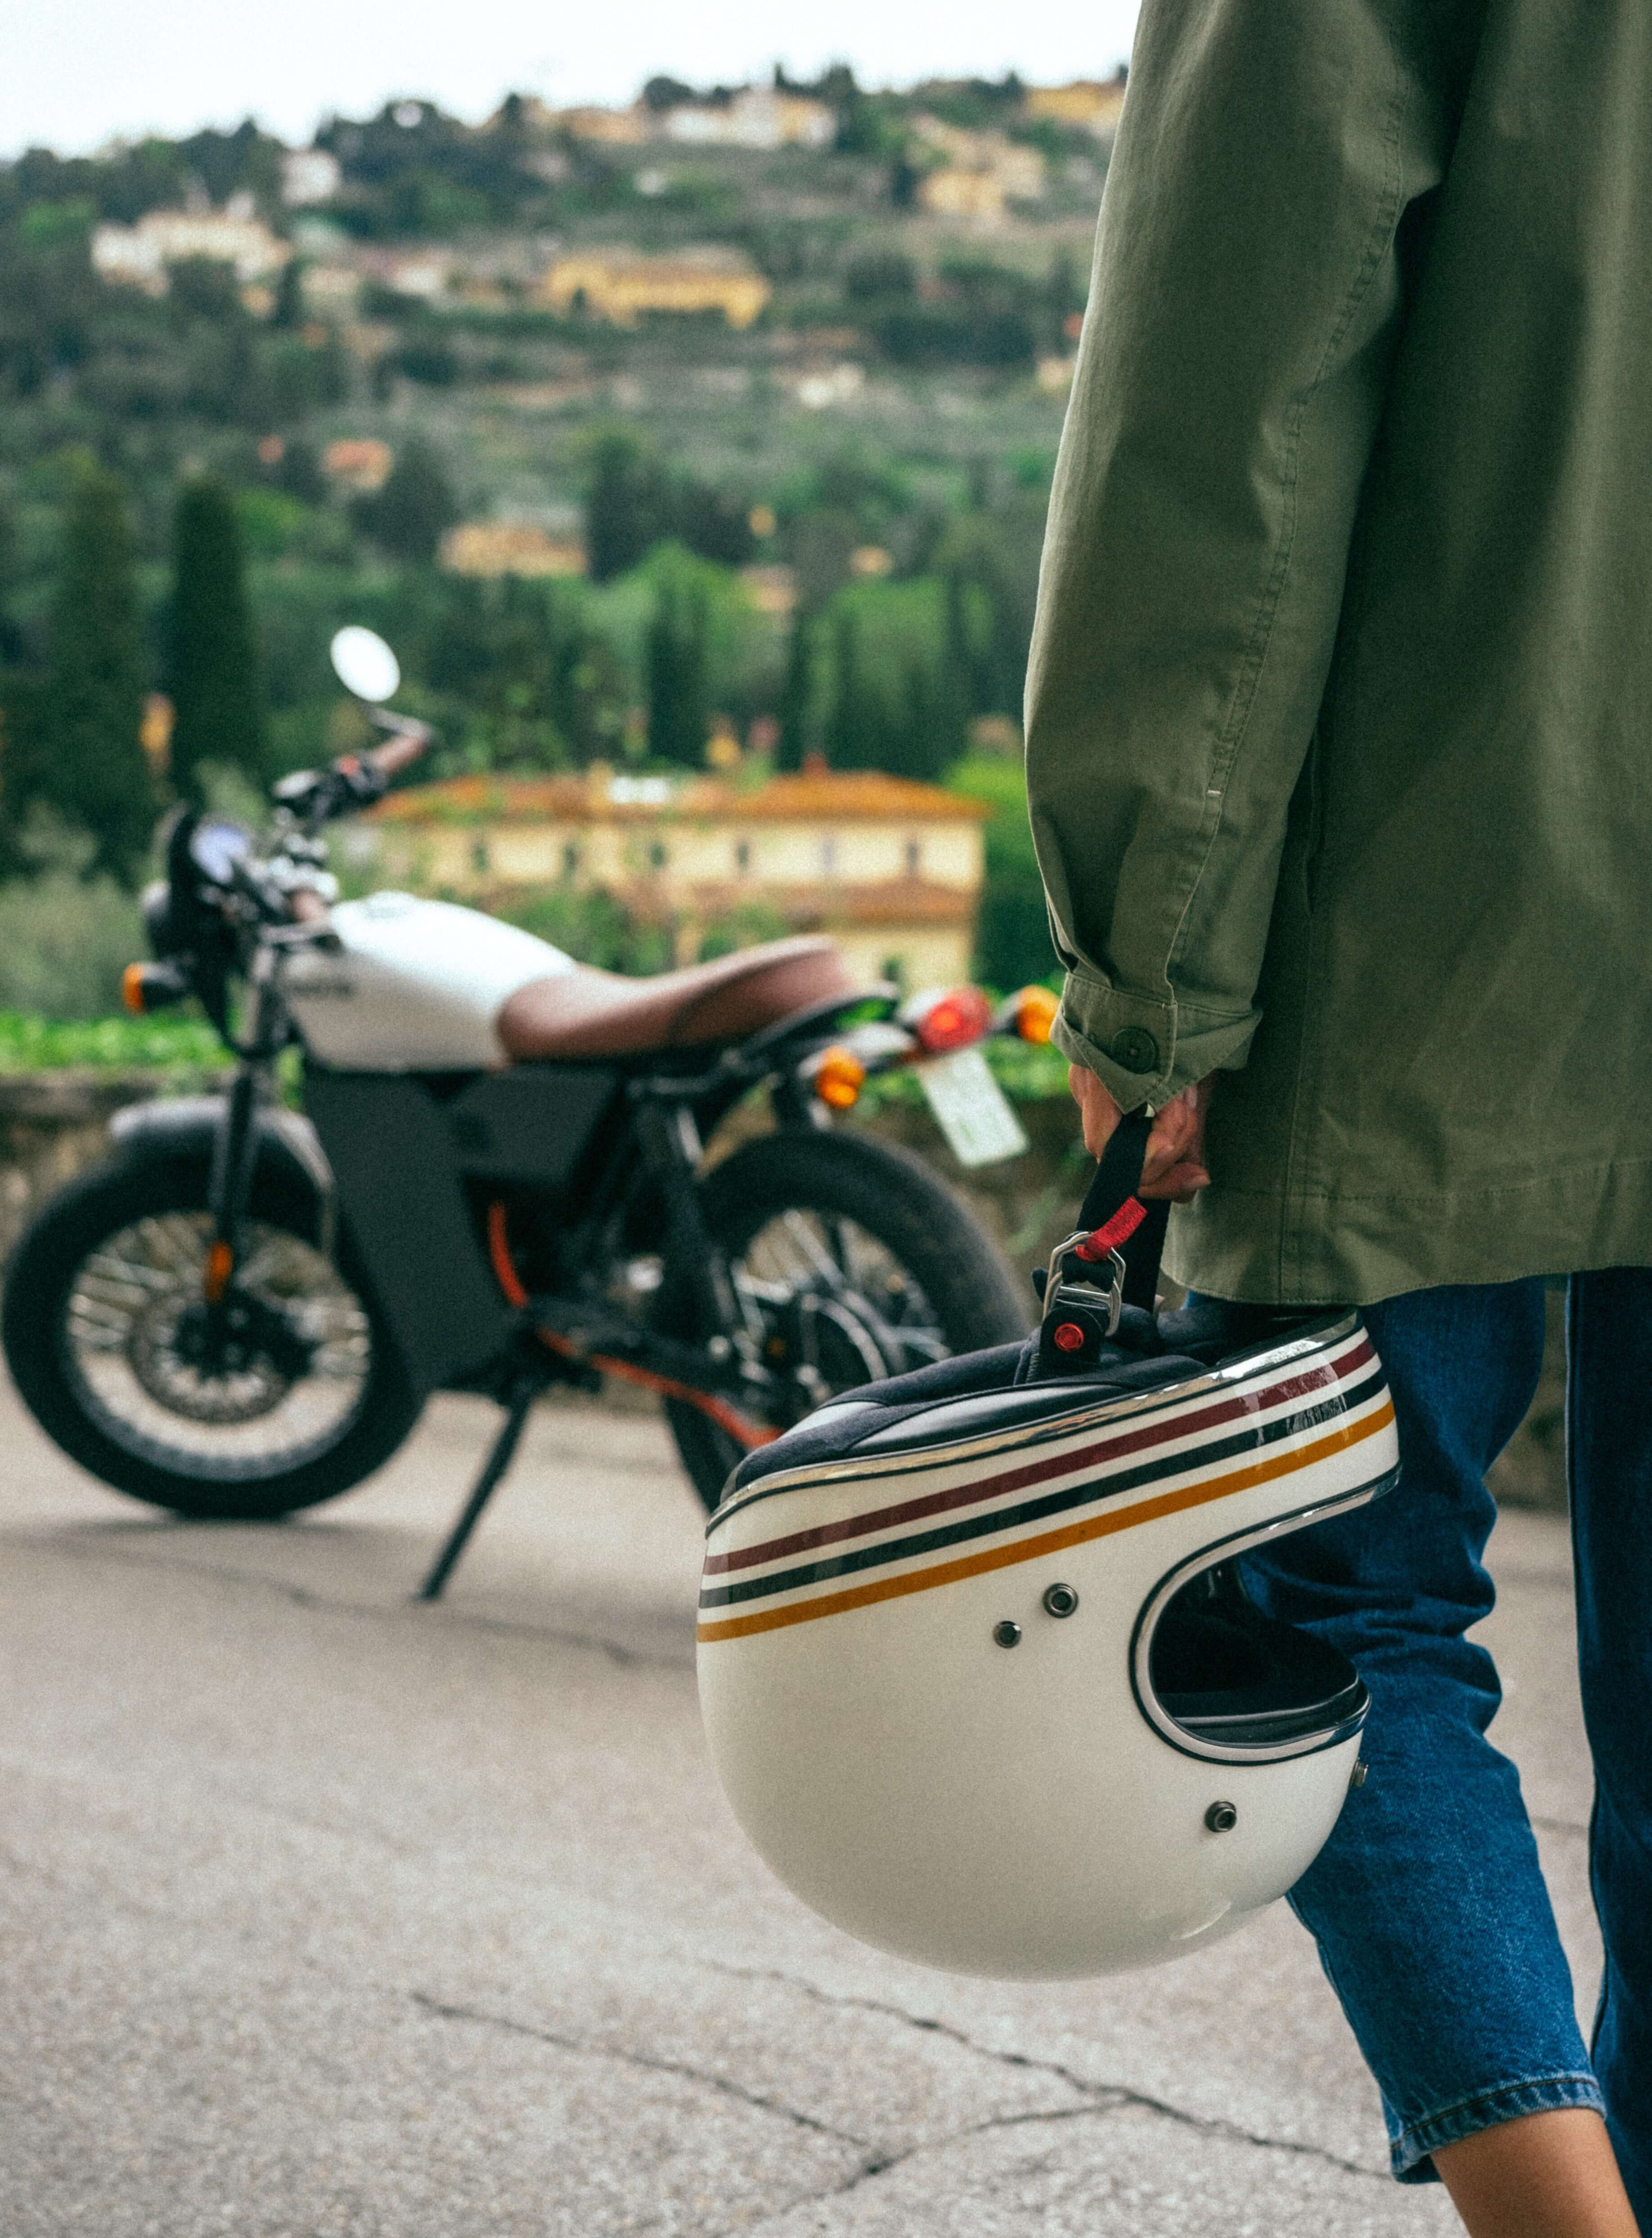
(1430, 1914)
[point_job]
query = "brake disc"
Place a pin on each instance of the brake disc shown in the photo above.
(228, 1364)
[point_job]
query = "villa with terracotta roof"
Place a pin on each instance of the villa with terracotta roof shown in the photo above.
(892, 870)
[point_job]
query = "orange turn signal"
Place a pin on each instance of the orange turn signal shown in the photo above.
(839, 1078)
(1036, 1009)
(220, 1265)
(146, 987)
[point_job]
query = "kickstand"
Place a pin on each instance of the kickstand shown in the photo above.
(523, 1394)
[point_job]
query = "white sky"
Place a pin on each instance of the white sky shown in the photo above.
(78, 72)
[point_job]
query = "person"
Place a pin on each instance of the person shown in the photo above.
(1339, 768)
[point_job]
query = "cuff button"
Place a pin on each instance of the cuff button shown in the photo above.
(1134, 1047)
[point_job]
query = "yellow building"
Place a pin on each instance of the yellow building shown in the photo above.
(615, 128)
(510, 548)
(890, 869)
(621, 284)
(954, 192)
(1088, 104)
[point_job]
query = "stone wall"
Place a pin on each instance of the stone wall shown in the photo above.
(51, 1124)
(54, 1123)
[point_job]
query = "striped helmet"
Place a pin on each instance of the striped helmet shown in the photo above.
(977, 1667)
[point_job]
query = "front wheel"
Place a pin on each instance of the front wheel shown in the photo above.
(849, 1261)
(289, 1395)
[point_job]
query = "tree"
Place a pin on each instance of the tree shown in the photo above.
(795, 693)
(1012, 929)
(93, 772)
(626, 508)
(854, 727)
(632, 504)
(212, 669)
(662, 93)
(288, 314)
(408, 516)
(675, 664)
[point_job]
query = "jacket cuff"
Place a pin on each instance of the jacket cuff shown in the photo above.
(1141, 1050)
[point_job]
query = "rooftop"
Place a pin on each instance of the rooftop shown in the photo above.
(597, 795)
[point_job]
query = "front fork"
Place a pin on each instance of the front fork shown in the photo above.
(234, 1149)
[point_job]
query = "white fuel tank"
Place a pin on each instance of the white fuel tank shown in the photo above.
(417, 987)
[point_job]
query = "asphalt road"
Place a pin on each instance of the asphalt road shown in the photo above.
(322, 1912)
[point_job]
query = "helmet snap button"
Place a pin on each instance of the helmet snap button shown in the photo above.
(1007, 1634)
(1357, 1777)
(1220, 1817)
(1067, 1336)
(1060, 1601)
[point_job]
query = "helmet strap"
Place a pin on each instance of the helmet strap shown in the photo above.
(1110, 1260)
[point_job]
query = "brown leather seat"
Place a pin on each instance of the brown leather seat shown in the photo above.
(587, 1013)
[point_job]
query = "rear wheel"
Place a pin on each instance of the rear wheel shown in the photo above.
(849, 1261)
(290, 1394)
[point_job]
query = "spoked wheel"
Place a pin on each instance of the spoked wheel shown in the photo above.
(847, 1261)
(286, 1392)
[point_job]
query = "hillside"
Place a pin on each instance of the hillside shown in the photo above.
(729, 413)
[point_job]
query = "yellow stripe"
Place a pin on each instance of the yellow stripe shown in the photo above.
(1050, 1542)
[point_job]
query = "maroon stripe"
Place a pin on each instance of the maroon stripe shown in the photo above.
(1132, 1441)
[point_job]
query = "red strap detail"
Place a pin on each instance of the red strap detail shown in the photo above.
(1112, 1232)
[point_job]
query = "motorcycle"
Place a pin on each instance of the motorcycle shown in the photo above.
(497, 1182)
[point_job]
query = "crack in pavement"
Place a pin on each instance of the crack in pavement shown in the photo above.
(302, 1596)
(1114, 2094)
(872, 2167)
(653, 2062)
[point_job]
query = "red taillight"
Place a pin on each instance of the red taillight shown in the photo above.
(948, 1020)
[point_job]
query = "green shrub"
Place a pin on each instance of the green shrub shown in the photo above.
(65, 938)
(1011, 931)
(173, 1042)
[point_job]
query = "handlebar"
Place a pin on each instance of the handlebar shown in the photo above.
(355, 781)
(398, 753)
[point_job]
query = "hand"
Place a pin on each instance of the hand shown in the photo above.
(1174, 1166)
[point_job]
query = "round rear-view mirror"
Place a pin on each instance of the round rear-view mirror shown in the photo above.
(364, 664)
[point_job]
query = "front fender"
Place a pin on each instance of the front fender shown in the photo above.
(187, 1126)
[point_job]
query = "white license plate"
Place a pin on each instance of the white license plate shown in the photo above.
(971, 1110)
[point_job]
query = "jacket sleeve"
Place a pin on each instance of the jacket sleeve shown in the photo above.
(1244, 315)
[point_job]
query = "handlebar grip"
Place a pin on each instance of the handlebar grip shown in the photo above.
(396, 754)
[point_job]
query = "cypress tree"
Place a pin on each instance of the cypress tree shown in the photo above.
(93, 772)
(855, 729)
(794, 708)
(678, 708)
(627, 508)
(212, 659)
(408, 516)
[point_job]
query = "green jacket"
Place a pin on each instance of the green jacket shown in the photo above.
(1339, 713)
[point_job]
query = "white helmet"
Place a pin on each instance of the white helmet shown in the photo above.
(978, 1676)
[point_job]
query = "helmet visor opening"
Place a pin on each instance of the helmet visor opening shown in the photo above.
(1224, 1673)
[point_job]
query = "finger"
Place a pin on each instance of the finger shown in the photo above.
(1171, 1135)
(1180, 1186)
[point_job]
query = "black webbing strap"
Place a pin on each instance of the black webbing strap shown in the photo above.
(1112, 1187)
(1077, 1320)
